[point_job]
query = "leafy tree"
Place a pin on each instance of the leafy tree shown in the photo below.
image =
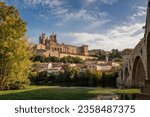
(52, 59)
(127, 51)
(36, 66)
(77, 60)
(38, 58)
(101, 57)
(115, 54)
(14, 56)
(68, 74)
(69, 59)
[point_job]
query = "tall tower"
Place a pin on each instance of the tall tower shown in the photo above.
(42, 39)
(53, 38)
(84, 49)
(107, 58)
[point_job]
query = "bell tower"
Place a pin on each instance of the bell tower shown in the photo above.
(42, 39)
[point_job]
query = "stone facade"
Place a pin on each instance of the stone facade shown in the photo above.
(135, 70)
(95, 52)
(48, 46)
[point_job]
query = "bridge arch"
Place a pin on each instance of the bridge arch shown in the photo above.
(148, 55)
(138, 73)
(121, 74)
(126, 75)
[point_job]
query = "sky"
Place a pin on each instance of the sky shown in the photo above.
(101, 24)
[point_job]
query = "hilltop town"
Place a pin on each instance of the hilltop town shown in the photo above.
(53, 69)
(49, 47)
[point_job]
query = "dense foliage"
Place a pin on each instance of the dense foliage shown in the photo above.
(115, 55)
(101, 57)
(67, 59)
(14, 56)
(74, 77)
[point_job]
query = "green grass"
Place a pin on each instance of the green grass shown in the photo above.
(59, 93)
(126, 91)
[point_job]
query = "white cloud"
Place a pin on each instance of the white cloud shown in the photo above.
(120, 37)
(58, 9)
(125, 35)
(85, 15)
(91, 19)
(141, 12)
(42, 16)
(49, 3)
(110, 2)
(91, 1)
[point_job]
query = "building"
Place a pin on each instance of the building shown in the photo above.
(105, 68)
(54, 70)
(41, 67)
(95, 62)
(94, 67)
(96, 52)
(97, 67)
(48, 46)
(115, 64)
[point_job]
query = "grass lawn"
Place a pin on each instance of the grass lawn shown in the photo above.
(59, 93)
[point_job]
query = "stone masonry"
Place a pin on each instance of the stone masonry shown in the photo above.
(48, 46)
(135, 71)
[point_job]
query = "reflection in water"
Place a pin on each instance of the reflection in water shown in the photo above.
(118, 96)
(127, 96)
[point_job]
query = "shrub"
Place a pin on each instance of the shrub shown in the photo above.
(73, 77)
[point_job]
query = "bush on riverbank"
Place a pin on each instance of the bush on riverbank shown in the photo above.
(73, 77)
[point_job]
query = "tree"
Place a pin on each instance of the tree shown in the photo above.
(38, 58)
(52, 59)
(14, 56)
(77, 60)
(127, 51)
(101, 56)
(70, 59)
(115, 54)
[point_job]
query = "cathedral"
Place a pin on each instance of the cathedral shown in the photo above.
(48, 46)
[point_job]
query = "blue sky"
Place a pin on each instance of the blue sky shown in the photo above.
(101, 24)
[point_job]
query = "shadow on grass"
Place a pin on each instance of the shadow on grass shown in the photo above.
(50, 94)
(66, 93)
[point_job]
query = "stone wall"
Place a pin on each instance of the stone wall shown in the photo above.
(133, 63)
(47, 53)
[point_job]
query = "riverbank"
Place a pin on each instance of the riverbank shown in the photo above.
(64, 93)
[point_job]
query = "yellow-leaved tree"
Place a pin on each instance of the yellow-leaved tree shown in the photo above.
(14, 55)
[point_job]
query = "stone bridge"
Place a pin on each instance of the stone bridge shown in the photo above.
(135, 70)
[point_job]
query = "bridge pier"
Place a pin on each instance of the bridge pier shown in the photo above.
(135, 71)
(145, 92)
